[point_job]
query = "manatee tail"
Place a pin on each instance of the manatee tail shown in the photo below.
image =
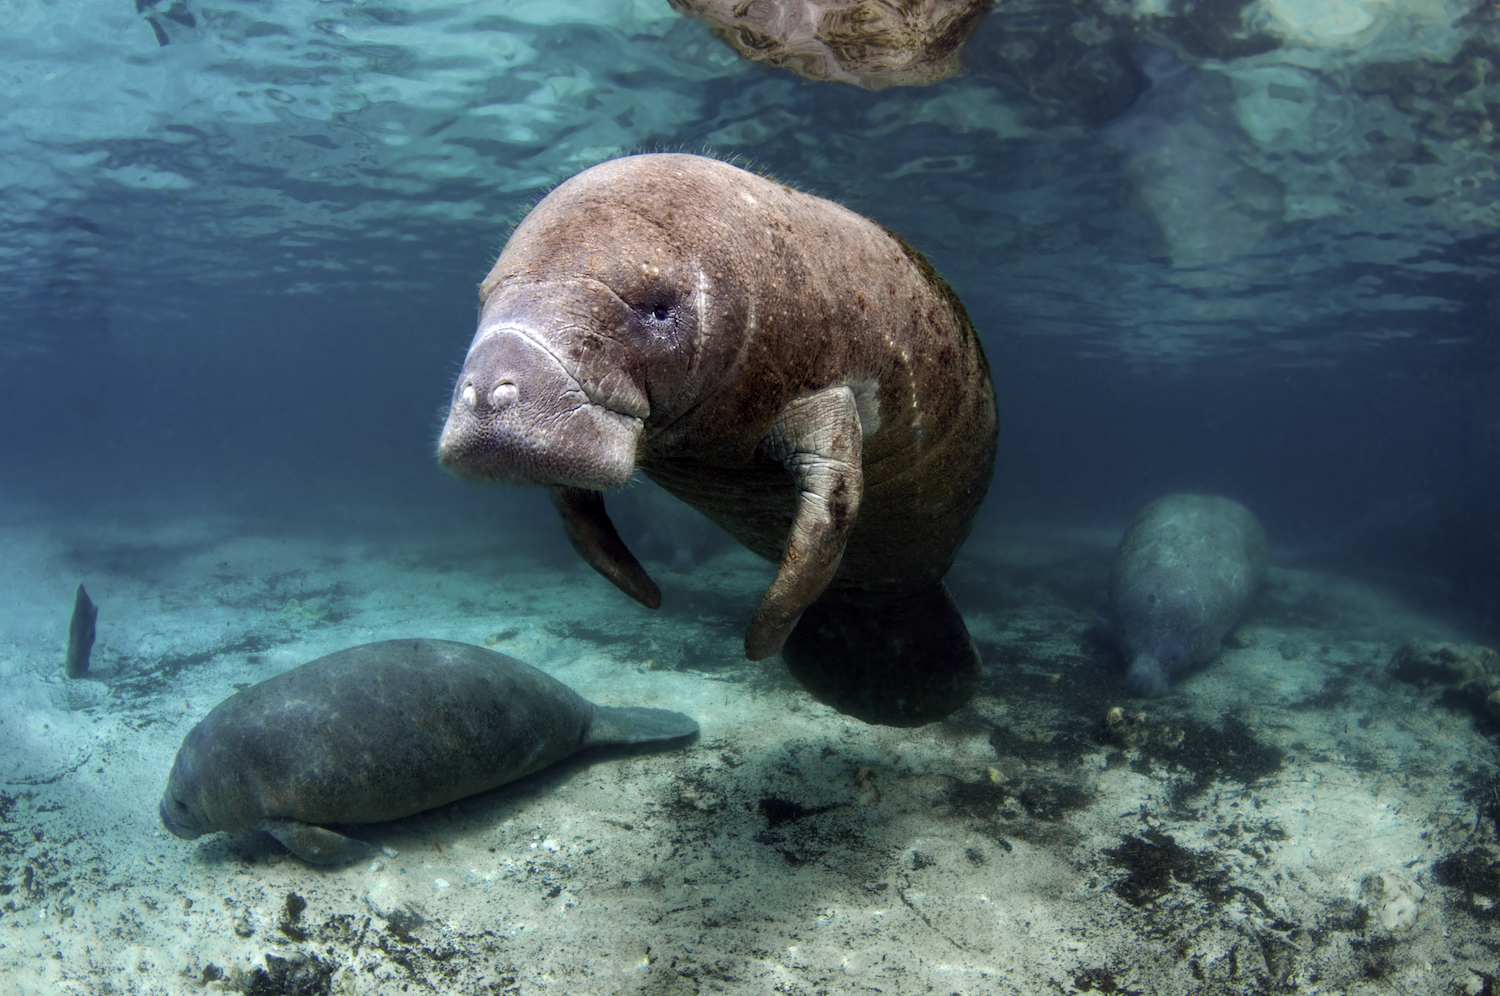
(637, 725)
(904, 662)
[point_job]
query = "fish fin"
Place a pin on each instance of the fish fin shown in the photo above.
(598, 543)
(314, 844)
(637, 725)
(899, 662)
(81, 630)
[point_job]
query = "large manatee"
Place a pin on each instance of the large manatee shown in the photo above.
(791, 369)
(1182, 576)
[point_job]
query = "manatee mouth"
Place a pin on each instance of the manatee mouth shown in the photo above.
(176, 829)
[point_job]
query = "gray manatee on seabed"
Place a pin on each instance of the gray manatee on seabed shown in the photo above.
(792, 370)
(378, 732)
(1182, 576)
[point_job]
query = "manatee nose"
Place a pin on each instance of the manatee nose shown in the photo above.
(504, 393)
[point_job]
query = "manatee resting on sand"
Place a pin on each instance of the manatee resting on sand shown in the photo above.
(1182, 576)
(790, 369)
(378, 732)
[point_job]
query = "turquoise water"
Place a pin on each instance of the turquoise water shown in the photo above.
(1245, 249)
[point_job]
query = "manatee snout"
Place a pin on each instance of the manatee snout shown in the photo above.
(1146, 679)
(495, 370)
(177, 815)
(519, 415)
(175, 818)
(505, 377)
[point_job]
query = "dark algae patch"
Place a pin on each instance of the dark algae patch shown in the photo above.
(1153, 861)
(291, 915)
(779, 811)
(1101, 980)
(1208, 753)
(1051, 801)
(298, 976)
(1476, 873)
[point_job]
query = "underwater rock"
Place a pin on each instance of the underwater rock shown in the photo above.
(1394, 899)
(870, 43)
(790, 369)
(378, 732)
(1470, 674)
(1182, 576)
(80, 635)
(1133, 730)
(1426, 662)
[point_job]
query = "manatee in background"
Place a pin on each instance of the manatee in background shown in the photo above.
(668, 529)
(1182, 576)
(790, 369)
(378, 732)
(871, 43)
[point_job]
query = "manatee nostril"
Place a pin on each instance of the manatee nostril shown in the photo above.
(504, 393)
(470, 398)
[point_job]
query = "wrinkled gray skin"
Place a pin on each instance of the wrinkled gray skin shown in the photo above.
(1182, 576)
(788, 368)
(378, 732)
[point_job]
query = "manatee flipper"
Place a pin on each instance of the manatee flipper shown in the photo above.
(594, 537)
(905, 662)
(817, 438)
(314, 844)
(637, 725)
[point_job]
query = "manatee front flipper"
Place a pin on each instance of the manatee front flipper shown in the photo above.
(594, 537)
(316, 845)
(901, 662)
(817, 438)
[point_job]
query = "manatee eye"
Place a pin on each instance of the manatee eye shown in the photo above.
(660, 316)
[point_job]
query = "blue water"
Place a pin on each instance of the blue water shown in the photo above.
(1246, 249)
(239, 268)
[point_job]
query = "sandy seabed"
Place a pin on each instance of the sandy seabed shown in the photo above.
(1292, 818)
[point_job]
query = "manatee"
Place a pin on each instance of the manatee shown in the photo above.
(1182, 576)
(870, 43)
(789, 368)
(381, 731)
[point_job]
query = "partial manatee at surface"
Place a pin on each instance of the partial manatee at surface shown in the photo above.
(789, 368)
(871, 43)
(378, 732)
(1182, 576)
